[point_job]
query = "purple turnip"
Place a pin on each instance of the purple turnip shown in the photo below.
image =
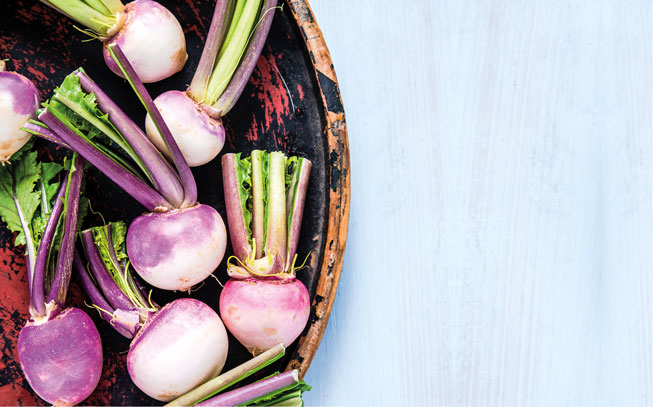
(19, 100)
(59, 348)
(148, 33)
(233, 45)
(175, 348)
(180, 242)
(263, 304)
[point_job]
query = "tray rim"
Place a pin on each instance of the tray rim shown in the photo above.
(339, 193)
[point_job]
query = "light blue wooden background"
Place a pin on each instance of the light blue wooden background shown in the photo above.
(500, 239)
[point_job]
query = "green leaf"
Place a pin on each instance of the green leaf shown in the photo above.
(244, 175)
(19, 198)
(78, 110)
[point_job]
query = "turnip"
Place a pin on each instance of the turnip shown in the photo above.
(180, 242)
(59, 348)
(19, 100)
(174, 348)
(264, 304)
(148, 33)
(233, 45)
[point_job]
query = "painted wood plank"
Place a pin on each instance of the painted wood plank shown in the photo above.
(500, 237)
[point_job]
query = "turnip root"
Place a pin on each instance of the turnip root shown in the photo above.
(263, 304)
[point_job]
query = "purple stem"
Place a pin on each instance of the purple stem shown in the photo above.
(96, 296)
(37, 288)
(240, 78)
(252, 391)
(297, 202)
(214, 38)
(130, 183)
(59, 287)
(235, 219)
(108, 286)
(45, 133)
(187, 179)
(163, 176)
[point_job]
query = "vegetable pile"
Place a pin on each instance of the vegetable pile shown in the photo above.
(161, 368)
(178, 350)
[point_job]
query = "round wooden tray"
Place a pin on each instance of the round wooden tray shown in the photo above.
(292, 103)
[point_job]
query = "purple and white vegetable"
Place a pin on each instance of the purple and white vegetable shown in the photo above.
(59, 348)
(175, 348)
(180, 242)
(148, 33)
(264, 304)
(233, 45)
(19, 100)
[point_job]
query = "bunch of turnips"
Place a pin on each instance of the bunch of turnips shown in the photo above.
(177, 350)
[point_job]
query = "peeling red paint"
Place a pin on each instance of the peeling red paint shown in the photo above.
(300, 91)
(275, 101)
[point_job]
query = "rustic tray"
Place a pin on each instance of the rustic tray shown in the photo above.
(292, 103)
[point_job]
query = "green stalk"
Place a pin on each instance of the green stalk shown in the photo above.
(114, 6)
(237, 12)
(106, 130)
(258, 191)
(233, 49)
(86, 13)
(276, 226)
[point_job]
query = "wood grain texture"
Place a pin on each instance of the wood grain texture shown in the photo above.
(499, 248)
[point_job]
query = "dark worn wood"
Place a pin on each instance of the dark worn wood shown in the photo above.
(291, 103)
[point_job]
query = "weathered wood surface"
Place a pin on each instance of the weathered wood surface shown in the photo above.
(499, 248)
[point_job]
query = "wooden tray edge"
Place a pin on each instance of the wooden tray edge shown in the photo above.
(338, 177)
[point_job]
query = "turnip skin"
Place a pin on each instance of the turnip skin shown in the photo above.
(182, 346)
(61, 358)
(264, 313)
(177, 249)
(152, 39)
(199, 136)
(19, 100)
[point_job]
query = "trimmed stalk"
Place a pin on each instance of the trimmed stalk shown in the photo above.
(241, 77)
(37, 303)
(86, 14)
(276, 226)
(296, 197)
(254, 390)
(97, 299)
(130, 183)
(233, 201)
(63, 271)
(138, 146)
(232, 51)
(112, 292)
(187, 179)
(214, 39)
(33, 127)
(258, 200)
(230, 378)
